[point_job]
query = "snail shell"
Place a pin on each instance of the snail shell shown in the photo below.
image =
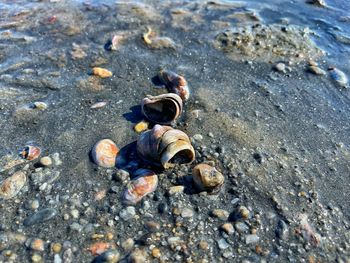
(30, 152)
(207, 178)
(162, 109)
(175, 83)
(165, 146)
(104, 153)
(145, 182)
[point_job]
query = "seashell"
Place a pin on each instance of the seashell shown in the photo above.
(338, 76)
(165, 146)
(207, 178)
(156, 42)
(12, 185)
(175, 83)
(162, 109)
(30, 152)
(105, 153)
(145, 182)
(98, 105)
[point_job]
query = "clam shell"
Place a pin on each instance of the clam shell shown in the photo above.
(12, 185)
(162, 109)
(104, 153)
(30, 152)
(207, 178)
(170, 137)
(175, 83)
(145, 182)
(177, 152)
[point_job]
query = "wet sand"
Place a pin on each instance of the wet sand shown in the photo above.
(280, 137)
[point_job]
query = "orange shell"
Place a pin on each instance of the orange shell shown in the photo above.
(104, 153)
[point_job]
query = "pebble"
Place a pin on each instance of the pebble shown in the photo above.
(222, 244)
(104, 153)
(57, 259)
(12, 185)
(56, 248)
(138, 256)
(282, 230)
(178, 189)
(316, 70)
(101, 72)
(35, 204)
(76, 227)
(110, 256)
(339, 77)
(40, 217)
(98, 248)
(244, 212)
(221, 214)
(280, 67)
(40, 105)
(156, 252)
(250, 239)
(241, 227)
(203, 245)
(98, 105)
(152, 226)
(228, 228)
(46, 161)
(128, 244)
(37, 244)
(128, 213)
(141, 126)
(207, 178)
(74, 213)
(121, 175)
(36, 258)
(198, 137)
(187, 212)
(320, 3)
(56, 159)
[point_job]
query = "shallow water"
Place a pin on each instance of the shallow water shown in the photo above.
(285, 134)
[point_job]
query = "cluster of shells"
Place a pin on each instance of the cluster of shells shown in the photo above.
(162, 146)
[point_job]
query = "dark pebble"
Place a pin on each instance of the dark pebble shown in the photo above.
(41, 216)
(282, 230)
(162, 208)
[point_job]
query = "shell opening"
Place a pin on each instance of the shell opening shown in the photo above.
(183, 156)
(162, 111)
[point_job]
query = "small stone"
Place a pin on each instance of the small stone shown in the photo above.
(222, 244)
(57, 259)
(36, 258)
(187, 212)
(207, 178)
(37, 244)
(156, 252)
(339, 77)
(228, 228)
(110, 256)
(12, 185)
(141, 126)
(41, 216)
(244, 212)
(98, 105)
(40, 105)
(320, 3)
(152, 226)
(35, 204)
(121, 175)
(56, 159)
(241, 227)
(75, 213)
(282, 230)
(176, 190)
(203, 245)
(316, 70)
(76, 227)
(56, 248)
(211, 135)
(138, 256)
(249, 239)
(198, 137)
(101, 72)
(99, 247)
(220, 213)
(128, 244)
(128, 213)
(280, 67)
(46, 161)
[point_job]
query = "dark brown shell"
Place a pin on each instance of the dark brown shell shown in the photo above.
(175, 83)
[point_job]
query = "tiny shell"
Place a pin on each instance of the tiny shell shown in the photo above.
(175, 83)
(104, 153)
(99, 247)
(145, 182)
(30, 152)
(12, 185)
(99, 105)
(339, 77)
(207, 178)
(101, 72)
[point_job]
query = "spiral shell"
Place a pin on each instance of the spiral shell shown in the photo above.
(162, 109)
(145, 182)
(165, 146)
(207, 178)
(104, 153)
(175, 83)
(30, 152)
